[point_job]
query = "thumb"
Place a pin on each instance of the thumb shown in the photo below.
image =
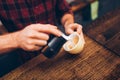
(69, 31)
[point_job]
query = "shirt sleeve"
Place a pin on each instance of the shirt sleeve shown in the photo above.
(62, 7)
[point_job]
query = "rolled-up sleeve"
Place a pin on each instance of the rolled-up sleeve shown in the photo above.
(62, 7)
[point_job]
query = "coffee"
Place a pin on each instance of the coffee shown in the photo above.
(73, 42)
(75, 45)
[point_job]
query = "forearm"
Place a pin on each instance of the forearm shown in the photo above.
(69, 25)
(7, 43)
(67, 19)
(31, 38)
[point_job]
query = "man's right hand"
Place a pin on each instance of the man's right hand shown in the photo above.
(34, 36)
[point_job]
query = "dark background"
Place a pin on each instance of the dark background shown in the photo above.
(10, 61)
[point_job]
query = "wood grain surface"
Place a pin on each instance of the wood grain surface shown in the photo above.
(93, 63)
(96, 62)
(80, 4)
(106, 31)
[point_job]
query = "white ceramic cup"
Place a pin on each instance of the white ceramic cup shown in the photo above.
(76, 44)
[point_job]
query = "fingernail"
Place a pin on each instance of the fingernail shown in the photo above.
(60, 33)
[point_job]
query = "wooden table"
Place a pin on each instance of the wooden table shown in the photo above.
(94, 63)
(80, 4)
(106, 30)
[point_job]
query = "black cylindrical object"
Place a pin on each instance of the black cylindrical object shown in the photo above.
(53, 47)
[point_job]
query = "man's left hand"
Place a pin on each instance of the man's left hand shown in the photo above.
(74, 27)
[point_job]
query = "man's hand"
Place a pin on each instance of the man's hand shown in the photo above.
(72, 28)
(69, 25)
(69, 29)
(34, 36)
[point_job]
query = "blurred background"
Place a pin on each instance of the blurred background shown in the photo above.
(88, 10)
(85, 12)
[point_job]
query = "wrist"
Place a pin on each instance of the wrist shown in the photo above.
(14, 39)
(67, 23)
(67, 19)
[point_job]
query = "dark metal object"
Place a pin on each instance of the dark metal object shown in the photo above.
(53, 47)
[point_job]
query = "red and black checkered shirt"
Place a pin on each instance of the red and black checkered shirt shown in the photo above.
(17, 14)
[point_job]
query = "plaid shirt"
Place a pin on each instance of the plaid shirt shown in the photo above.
(17, 14)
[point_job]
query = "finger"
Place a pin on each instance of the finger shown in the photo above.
(35, 48)
(49, 25)
(43, 25)
(69, 31)
(71, 28)
(49, 29)
(36, 42)
(79, 29)
(39, 35)
(53, 31)
(40, 42)
(82, 37)
(76, 27)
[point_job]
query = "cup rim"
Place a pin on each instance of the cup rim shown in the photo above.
(75, 33)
